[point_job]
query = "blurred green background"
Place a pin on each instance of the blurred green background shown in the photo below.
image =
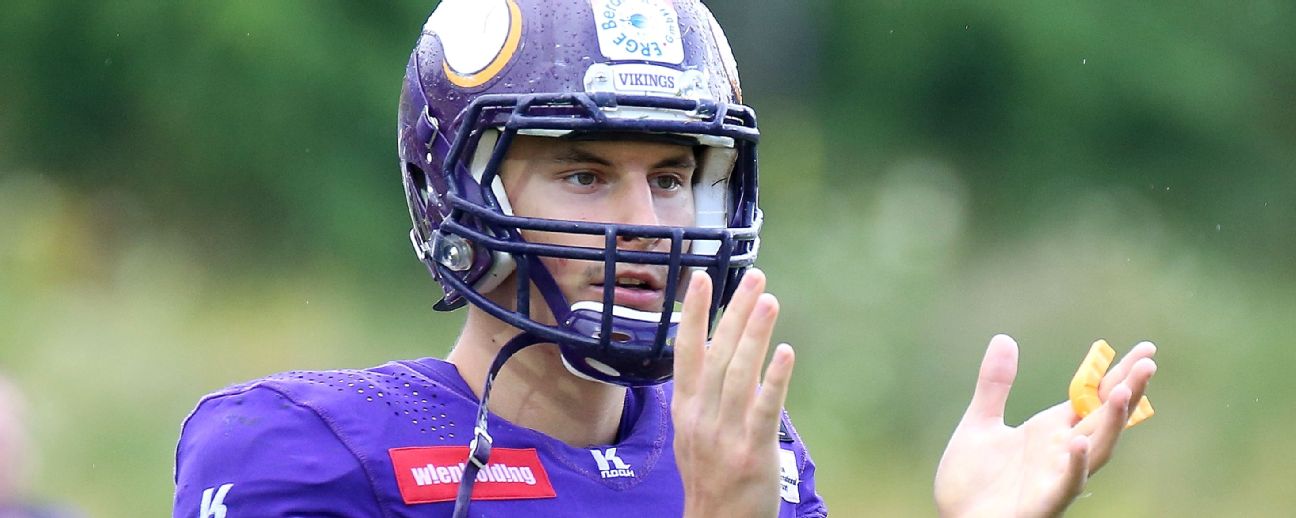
(198, 193)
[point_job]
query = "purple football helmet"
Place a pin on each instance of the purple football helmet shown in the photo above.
(486, 71)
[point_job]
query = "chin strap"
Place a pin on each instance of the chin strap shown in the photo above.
(479, 449)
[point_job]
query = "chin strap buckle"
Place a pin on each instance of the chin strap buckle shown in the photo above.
(479, 449)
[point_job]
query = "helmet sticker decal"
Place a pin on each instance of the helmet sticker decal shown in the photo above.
(478, 38)
(634, 78)
(638, 30)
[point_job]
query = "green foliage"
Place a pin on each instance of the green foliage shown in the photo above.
(1187, 110)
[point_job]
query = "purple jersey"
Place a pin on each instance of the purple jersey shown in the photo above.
(391, 441)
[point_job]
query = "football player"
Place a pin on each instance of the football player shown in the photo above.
(582, 178)
(574, 169)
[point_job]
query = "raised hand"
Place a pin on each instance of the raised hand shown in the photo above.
(726, 430)
(1038, 468)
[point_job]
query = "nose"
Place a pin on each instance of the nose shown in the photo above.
(638, 206)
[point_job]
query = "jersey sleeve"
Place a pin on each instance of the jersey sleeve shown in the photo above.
(806, 503)
(257, 453)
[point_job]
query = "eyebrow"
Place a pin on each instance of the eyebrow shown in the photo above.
(576, 155)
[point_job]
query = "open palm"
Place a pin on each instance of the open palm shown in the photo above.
(1037, 468)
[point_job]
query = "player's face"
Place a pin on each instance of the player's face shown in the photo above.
(621, 181)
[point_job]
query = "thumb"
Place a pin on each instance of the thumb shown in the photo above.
(998, 370)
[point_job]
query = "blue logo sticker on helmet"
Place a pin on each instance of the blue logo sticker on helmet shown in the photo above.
(646, 30)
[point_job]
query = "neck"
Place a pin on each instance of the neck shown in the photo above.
(534, 389)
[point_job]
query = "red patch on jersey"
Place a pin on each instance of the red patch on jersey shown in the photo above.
(432, 474)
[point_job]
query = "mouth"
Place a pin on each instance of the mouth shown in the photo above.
(638, 290)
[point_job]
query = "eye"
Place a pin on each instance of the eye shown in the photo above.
(582, 178)
(667, 182)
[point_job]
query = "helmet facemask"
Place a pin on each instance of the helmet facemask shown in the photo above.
(470, 239)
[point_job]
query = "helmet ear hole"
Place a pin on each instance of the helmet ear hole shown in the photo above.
(418, 181)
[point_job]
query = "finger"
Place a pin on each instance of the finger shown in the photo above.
(1138, 379)
(1140, 375)
(690, 336)
(729, 332)
(740, 378)
(1077, 470)
(1122, 369)
(1108, 426)
(998, 370)
(773, 393)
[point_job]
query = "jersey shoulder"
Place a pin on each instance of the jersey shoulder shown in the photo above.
(422, 397)
(296, 440)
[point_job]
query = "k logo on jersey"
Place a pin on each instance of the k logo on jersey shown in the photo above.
(213, 501)
(610, 465)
